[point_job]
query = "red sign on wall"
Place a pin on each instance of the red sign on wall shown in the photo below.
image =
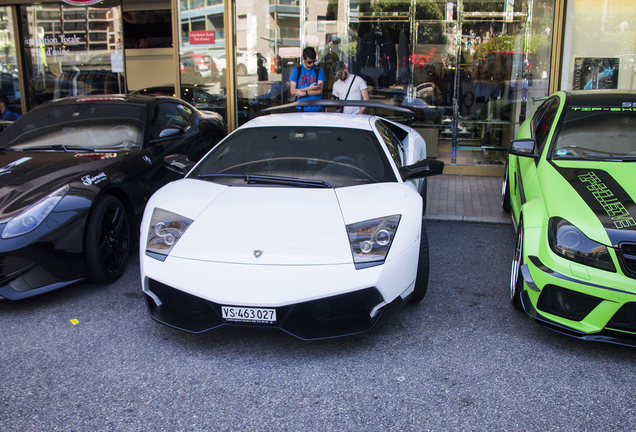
(202, 37)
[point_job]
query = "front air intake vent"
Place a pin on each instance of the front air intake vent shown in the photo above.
(627, 257)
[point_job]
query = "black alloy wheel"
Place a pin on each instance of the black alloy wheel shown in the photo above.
(505, 192)
(516, 279)
(107, 240)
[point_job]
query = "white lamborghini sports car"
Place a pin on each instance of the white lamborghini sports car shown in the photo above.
(307, 222)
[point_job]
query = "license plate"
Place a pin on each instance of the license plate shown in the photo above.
(253, 315)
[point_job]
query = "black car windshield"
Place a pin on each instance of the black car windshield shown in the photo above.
(81, 125)
(316, 156)
(608, 134)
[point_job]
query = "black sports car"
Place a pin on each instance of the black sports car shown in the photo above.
(75, 176)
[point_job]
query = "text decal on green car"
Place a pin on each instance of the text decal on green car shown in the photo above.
(606, 198)
(609, 201)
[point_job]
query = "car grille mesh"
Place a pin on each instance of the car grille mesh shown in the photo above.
(628, 258)
(346, 305)
(180, 300)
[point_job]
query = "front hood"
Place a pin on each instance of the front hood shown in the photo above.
(26, 176)
(597, 197)
(267, 226)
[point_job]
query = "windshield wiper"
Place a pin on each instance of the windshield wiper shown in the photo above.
(619, 159)
(265, 179)
(291, 181)
(216, 175)
(59, 147)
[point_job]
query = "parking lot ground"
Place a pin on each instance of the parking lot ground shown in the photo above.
(89, 358)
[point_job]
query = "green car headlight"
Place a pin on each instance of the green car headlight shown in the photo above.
(371, 240)
(34, 215)
(568, 241)
(166, 228)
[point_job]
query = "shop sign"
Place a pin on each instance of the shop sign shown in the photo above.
(51, 44)
(81, 2)
(201, 37)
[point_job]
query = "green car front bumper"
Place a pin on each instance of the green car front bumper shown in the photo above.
(577, 300)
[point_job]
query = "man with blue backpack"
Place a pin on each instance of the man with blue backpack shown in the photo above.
(306, 80)
(5, 113)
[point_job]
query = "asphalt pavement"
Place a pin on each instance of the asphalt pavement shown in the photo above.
(90, 358)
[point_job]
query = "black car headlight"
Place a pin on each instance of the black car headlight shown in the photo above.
(166, 228)
(568, 241)
(371, 240)
(34, 215)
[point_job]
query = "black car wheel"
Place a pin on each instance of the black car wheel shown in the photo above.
(421, 278)
(516, 279)
(241, 70)
(505, 193)
(107, 240)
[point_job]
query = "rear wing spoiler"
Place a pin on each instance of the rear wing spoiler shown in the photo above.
(380, 109)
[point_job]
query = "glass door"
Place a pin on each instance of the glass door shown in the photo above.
(71, 50)
(504, 63)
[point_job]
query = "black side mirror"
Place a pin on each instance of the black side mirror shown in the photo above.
(178, 163)
(523, 147)
(423, 168)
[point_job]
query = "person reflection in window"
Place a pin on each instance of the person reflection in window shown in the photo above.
(262, 70)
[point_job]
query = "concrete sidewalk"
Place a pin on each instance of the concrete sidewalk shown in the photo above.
(465, 198)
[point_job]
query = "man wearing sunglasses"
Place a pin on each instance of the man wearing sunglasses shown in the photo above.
(306, 80)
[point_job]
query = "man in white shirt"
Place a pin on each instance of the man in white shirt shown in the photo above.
(348, 87)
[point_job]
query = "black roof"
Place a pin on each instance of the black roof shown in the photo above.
(601, 98)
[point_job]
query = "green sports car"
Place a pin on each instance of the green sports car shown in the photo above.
(570, 187)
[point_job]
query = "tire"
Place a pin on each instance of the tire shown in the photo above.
(421, 277)
(505, 193)
(241, 70)
(516, 279)
(107, 241)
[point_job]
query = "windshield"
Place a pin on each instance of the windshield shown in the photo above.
(81, 125)
(334, 157)
(607, 134)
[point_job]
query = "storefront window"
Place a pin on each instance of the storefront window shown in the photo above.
(468, 70)
(9, 79)
(71, 50)
(600, 45)
(202, 62)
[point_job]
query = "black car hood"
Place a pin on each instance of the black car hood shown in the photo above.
(27, 176)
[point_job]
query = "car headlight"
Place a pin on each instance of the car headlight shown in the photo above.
(371, 240)
(569, 242)
(166, 228)
(34, 215)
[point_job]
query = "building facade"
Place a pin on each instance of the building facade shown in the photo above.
(471, 71)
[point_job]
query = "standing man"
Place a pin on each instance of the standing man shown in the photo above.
(348, 87)
(306, 80)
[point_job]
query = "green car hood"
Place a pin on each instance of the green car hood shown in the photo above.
(597, 197)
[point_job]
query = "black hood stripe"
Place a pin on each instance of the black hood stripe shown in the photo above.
(613, 206)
